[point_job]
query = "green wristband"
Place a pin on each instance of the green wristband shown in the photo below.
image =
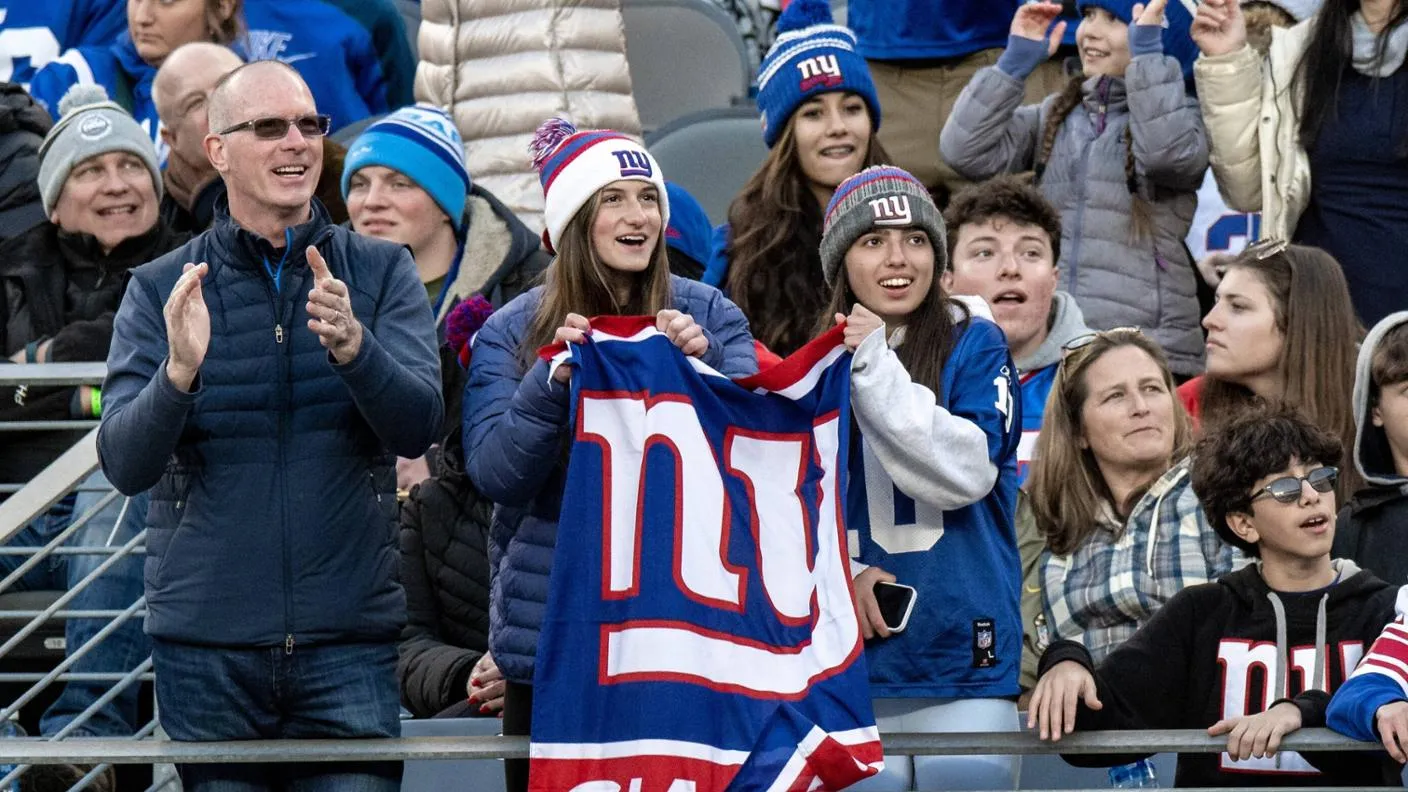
(95, 402)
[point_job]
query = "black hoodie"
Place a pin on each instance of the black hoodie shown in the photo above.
(1234, 648)
(1372, 529)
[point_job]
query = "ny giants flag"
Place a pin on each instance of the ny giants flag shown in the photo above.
(700, 632)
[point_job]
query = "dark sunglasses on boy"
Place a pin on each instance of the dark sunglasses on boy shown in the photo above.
(1287, 489)
(274, 128)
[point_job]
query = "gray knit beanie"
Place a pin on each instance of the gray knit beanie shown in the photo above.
(89, 124)
(881, 195)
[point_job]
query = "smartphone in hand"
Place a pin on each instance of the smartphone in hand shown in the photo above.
(896, 602)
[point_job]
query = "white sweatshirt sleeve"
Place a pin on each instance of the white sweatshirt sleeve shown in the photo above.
(946, 459)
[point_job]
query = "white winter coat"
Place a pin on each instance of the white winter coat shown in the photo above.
(502, 67)
(1253, 129)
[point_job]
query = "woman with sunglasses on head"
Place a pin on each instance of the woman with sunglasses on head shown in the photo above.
(1257, 354)
(933, 479)
(606, 221)
(1110, 494)
(1255, 655)
(819, 128)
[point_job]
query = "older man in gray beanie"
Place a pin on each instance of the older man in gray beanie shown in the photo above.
(62, 282)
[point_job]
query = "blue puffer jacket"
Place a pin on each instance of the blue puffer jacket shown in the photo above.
(273, 498)
(515, 428)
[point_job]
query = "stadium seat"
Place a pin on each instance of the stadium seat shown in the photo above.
(485, 775)
(685, 55)
(711, 154)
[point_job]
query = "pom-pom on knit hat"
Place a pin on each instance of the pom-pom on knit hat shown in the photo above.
(573, 164)
(884, 196)
(464, 321)
(420, 141)
(811, 55)
(1178, 26)
(90, 124)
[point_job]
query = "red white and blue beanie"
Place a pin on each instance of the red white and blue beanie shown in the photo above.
(811, 55)
(572, 165)
(879, 196)
(422, 143)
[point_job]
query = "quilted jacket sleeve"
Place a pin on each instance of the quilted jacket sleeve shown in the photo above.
(514, 423)
(399, 395)
(432, 672)
(731, 351)
(1229, 92)
(990, 131)
(143, 413)
(1170, 142)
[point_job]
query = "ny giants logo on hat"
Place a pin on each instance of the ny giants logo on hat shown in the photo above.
(822, 70)
(891, 210)
(633, 163)
(94, 127)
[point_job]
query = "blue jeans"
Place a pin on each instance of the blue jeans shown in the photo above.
(333, 691)
(115, 589)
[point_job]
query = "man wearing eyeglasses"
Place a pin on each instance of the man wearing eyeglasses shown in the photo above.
(262, 380)
(1256, 655)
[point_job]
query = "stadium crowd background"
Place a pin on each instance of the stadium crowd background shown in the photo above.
(1086, 177)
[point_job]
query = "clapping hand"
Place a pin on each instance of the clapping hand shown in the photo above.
(330, 312)
(187, 326)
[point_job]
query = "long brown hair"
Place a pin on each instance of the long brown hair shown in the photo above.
(774, 273)
(1141, 213)
(578, 282)
(928, 331)
(1067, 489)
(1318, 351)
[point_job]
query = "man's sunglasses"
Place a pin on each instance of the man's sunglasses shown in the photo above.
(275, 128)
(1287, 489)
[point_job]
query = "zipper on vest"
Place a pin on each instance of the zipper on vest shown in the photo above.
(288, 644)
(278, 333)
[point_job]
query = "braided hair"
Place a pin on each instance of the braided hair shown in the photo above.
(1140, 212)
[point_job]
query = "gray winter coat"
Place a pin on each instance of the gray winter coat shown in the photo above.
(1117, 280)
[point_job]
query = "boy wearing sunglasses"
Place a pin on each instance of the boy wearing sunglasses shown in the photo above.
(1255, 655)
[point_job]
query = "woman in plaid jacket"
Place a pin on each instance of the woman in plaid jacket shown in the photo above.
(1111, 496)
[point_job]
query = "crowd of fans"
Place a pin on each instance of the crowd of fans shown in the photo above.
(1099, 458)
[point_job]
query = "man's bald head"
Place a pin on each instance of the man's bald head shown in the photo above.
(191, 70)
(239, 91)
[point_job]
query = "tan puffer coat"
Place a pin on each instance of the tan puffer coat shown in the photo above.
(501, 67)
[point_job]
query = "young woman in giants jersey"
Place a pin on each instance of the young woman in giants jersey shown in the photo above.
(933, 479)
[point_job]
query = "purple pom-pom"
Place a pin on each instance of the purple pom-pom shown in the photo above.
(549, 136)
(464, 321)
(803, 14)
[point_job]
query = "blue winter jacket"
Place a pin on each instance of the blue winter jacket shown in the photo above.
(273, 498)
(330, 50)
(515, 430)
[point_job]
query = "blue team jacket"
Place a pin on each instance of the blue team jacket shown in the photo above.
(273, 501)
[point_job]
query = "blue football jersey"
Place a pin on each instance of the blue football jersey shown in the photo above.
(964, 637)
